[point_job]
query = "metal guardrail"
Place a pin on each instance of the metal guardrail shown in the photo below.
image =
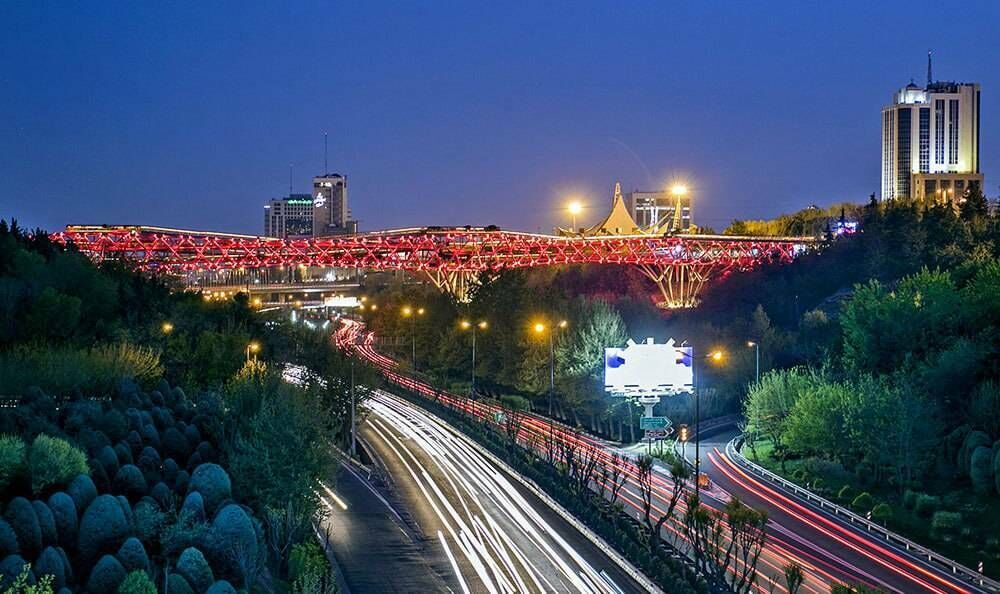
(900, 542)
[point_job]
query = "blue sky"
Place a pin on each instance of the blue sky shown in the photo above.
(189, 113)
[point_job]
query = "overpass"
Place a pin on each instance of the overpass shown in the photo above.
(451, 258)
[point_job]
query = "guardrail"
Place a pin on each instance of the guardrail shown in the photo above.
(973, 577)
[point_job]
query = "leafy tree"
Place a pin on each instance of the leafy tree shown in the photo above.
(794, 576)
(12, 459)
(54, 461)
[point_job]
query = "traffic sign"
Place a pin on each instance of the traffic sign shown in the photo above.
(653, 422)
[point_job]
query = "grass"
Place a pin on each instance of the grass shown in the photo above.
(978, 540)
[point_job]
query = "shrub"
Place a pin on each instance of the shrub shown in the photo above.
(83, 492)
(22, 518)
(845, 493)
(221, 587)
(945, 524)
(8, 540)
(981, 470)
(178, 585)
(102, 529)
(108, 459)
(926, 505)
(148, 520)
(12, 568)
(137, 582)
(12, 459)
(64, 515)
(910, 499)
(195, 569)
(213, 483)
(882, 512)
(996, 469)
(170, 470)
(863, 503)
(195, 506)
(132, 555)
(175, 445)
(124, 453)
(50, 562)
(306, 557)
(975, 439)
(163, 495)
(46, 523)
(232, 530)
(106, 576)
(130, 481)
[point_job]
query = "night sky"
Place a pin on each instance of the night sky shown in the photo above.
(188, 114)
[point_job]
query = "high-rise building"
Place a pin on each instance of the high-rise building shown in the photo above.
(331, 215)
(930, 141)
(660, 212)
(290, 217)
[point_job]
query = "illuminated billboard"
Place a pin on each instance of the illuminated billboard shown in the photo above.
(648, 369)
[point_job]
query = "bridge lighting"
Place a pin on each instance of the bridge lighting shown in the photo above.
(678, 189)
(167, 327)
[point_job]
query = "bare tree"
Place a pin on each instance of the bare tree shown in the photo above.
(794, 576)
(747, 534)
(644, 468)
(679, 474)
(285, 527)
(618, 477)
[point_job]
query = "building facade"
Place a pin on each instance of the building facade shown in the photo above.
(660, 212)
(930, 141)
(290, 217)
(331, 215)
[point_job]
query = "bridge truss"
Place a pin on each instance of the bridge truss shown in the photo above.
(452, 259)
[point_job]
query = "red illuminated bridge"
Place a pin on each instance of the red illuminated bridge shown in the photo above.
(452, 258)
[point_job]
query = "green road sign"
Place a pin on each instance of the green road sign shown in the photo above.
(654, 422)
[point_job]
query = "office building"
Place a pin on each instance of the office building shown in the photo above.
(930, 141)
(331, 215)
(660, 212)
(289, 218)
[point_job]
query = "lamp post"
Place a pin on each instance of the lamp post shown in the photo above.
(166, 327)
(756, 347)
(716, 356)
(252, 347)
(541, 328)
(409, 312)
(574, 209)
(481, 325)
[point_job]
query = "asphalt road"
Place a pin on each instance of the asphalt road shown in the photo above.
(495, 534)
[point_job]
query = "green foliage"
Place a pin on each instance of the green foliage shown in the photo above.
(882, 512)
(106, 576)
(50, 563)
(12, 459)
(24, 584)
(863, 503)
(212, 482)
(808, 222)
(132, 555)
(981, 470)
(102, 529)
(8, 540)
(195, 569)
(306, 558)
(21, 516)
(82, 490)
(945, 524)
(61, 369)
(137, 582)
(845, 493)
(925, 504)
(53, 461)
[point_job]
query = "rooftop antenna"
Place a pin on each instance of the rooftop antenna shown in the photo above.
(326, 168)
(290, 166)
(929, 79)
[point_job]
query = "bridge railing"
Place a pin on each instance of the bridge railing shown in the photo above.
(900, 542)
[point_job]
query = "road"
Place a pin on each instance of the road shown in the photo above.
(495, 534)
(829, 550)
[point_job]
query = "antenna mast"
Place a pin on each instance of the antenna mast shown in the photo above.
(326, 168)
(290, 165)
(929, 79)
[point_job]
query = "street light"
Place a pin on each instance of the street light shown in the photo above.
(756, 347)
(574, 209)
(678, 189)
(253, 347)
(408, 312)
(716, 356)
(167, 327)
(540, 328)
(481, 325)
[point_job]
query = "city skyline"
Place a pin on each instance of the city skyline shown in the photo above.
(455, 117)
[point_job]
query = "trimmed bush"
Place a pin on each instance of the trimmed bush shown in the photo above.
(882, 512)
(194, 505)
(46, 522)
(170, 470)
(50, 562)
(83, 492)
(21, 517)
(101, 479)
(178, 585)
(162, 494)
(845, 493)
(130, 482)
(863, 503)
(996, 469)
(213, 483)
(981, 470)
(975, 439)
(181, 482)
(909, 499)
(148, 520)
(103, 528)
(195, 569)
(232, 530)
(12, 459)
(8, 540)
(53, 461)
(106, 576)
(132, 555)
(945, 524)
(10, 568)
(175, 445)
(126, 509)
(221, 587)
(109, 460)
(124, 453)
(64, 515)
(137, 582)
(926, 505)
(149, 434)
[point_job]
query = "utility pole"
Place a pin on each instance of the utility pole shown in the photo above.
(354, 451)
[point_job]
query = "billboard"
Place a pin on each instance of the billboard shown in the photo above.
(648, 369)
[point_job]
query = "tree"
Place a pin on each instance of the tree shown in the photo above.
(771, 401)
(748, 535)
(794, 576)
(54, 461)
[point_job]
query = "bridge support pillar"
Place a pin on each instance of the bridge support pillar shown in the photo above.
(457, 283)
(679, 284)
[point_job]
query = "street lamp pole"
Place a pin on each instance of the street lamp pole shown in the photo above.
(354, 451)
(756, 347)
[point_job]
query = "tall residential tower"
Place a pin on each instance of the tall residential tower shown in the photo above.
(930, 141)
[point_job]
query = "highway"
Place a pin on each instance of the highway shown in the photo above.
(829, 550)
(497, 536)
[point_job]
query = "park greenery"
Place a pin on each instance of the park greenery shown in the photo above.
(115, 478)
